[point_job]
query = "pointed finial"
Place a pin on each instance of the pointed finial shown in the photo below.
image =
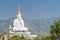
(19, 11)
(9, 26)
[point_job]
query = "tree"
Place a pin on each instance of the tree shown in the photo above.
(18, 38)
(36, 38)
(15, 38)
(45, 38)
(55, 29)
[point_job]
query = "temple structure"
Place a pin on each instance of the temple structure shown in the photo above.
(18, 27)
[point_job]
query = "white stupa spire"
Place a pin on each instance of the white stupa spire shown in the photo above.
(18, 11)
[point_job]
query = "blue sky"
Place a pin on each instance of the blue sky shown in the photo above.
(31, 9)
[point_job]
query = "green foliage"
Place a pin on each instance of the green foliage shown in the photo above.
(45, 38)
(18, 38)
(15, 38)
(55, 29)
(36, 38)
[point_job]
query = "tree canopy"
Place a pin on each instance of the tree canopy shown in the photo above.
(55, 29)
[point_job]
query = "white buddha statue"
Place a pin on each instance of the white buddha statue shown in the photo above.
(18, 22)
